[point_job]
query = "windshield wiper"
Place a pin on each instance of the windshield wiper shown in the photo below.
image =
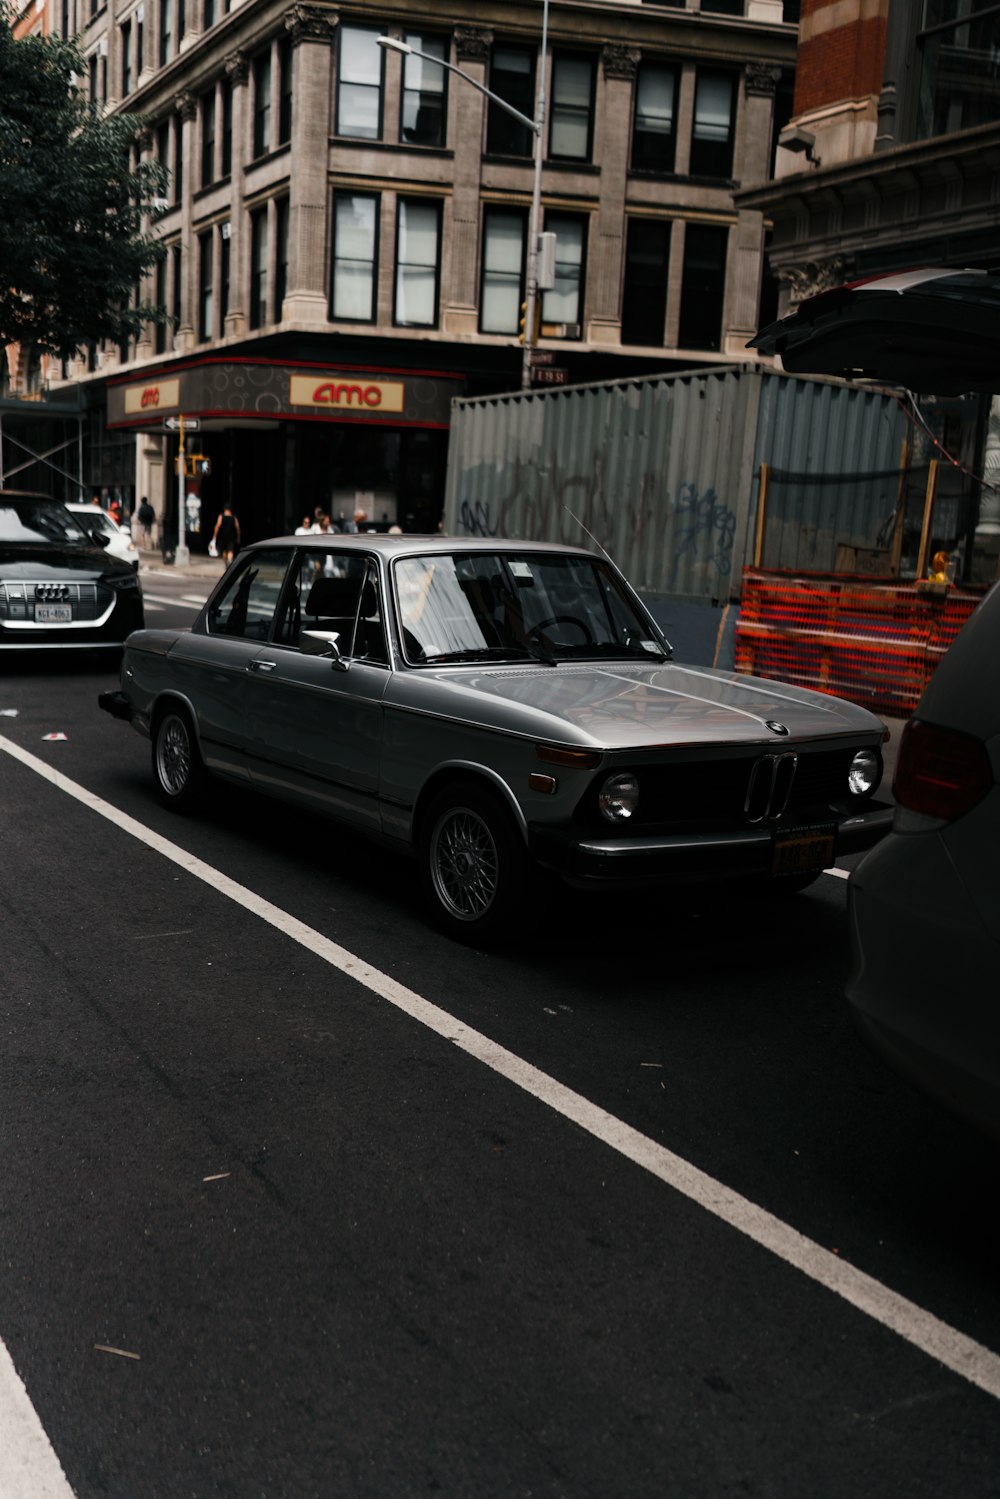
(491, 653)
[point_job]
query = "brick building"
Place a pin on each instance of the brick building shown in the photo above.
(346, 228)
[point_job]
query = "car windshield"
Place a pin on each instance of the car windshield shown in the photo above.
(95, 519)
(510, 605)
(43, 522)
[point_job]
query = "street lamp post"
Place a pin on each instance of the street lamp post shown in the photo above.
(537, 128)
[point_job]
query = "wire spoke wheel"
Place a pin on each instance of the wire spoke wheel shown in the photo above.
(177, 769)
(474, 865)
(465, 866)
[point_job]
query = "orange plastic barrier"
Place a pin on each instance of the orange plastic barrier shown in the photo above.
(875, 643)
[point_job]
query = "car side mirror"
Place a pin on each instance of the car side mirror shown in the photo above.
(100, 538)
(323, 643)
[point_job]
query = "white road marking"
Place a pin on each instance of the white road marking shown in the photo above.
(974, 1362)
(193, 598)
(159, 598)
(29, 1468)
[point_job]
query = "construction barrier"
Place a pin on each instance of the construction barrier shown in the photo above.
(876, 643)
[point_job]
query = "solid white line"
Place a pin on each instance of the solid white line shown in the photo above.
(159, 598)
(974, 1362)
(193, 598)
(29, 1468)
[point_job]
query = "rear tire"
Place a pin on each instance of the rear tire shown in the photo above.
(178, 772)
(476, 874)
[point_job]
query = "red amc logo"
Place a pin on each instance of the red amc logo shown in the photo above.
(335, 391)
(329, 394)
(150, 396)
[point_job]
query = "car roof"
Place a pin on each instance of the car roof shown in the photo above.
(29, 494)
(404, 545)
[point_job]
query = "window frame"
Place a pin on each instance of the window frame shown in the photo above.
(435, 204)
(498, 120)
(553, 218)
(492, 214)
(257, 282)
(634, 225)
(663, 166)
(560, 59)
(702, 146)
(344, 31)
(690, 294)
(260, 115)
(375, 198)
(421, 41)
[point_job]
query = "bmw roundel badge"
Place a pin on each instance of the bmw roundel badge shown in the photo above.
(775, 726)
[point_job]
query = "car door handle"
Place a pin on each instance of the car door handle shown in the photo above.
(261, 665)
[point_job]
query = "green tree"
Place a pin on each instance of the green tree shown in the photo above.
(72, 245)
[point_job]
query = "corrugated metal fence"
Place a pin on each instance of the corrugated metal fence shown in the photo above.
(664, 471)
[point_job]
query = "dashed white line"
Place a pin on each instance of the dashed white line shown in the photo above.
(956, 1351)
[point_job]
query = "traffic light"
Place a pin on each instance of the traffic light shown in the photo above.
(523, 322)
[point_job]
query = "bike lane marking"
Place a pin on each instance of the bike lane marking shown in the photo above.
(950, 1347)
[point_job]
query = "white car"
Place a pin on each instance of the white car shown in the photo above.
(92, 518)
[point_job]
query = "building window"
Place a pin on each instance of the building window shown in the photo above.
(176, 288)
(208, 15)
(166, 35)
(723, 7)
(280, 256)
(208, 138)
(571, 129)
(957, 56)
(653, 128)
(424, 113)
(359, 88)
(284, 91)
(258, 267)
(181, 21)
(224, 265)
(178, 159)
(163, 148)
(644, 297)
(703, 286)
(262, 103)
(160, 297)
(205, 248)
(227, 128)
(564, 302)
(355, 257)
(92, 76)
(140, 33)
(126, 46)
(712, 137)
(512, 77)
(503, 271)
(418, 247)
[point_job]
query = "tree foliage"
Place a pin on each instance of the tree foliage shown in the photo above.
(72, 244)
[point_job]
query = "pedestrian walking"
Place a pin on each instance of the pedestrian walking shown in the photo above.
(227, 534)
(147, 515)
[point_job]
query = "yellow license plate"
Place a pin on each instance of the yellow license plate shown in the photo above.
(801, 852)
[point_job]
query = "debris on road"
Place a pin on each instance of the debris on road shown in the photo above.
(120, 1352)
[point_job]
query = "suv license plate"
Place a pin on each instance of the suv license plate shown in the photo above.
(53, 614)
(801, 852)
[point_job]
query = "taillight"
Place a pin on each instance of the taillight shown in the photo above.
(940, 772)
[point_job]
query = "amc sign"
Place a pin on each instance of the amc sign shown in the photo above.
(343, 393)
(152, 398)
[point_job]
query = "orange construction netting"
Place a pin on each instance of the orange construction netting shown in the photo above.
(874, 642)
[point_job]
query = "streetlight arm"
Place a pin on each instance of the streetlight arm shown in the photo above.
(392, 44)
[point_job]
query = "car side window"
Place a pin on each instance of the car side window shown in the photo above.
(336, 592)
(246, 606)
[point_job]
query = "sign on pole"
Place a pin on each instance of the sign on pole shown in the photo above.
(549, 375)
(173, 423)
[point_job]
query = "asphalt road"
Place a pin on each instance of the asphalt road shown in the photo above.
(358, 1211)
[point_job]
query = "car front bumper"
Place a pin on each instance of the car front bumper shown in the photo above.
(676, 857)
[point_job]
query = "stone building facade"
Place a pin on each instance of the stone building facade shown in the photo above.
(346, 227)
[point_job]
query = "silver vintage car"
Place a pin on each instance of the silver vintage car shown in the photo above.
(504, 711)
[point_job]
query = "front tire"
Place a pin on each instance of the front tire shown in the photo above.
(178, 773)
(474, 867)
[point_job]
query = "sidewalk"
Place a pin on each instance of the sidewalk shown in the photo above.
(208, 569)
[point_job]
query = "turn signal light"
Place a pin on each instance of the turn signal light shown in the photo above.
(940, 772)
(553, 754)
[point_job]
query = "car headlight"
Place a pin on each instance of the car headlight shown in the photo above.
(865, 772)
(123, 580)
(619, 797)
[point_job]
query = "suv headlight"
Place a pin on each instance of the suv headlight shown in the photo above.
(123, 581)
(619, 797)
(865, 772)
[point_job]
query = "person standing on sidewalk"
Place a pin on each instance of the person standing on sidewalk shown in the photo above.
(147, 516)
(227, 534)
